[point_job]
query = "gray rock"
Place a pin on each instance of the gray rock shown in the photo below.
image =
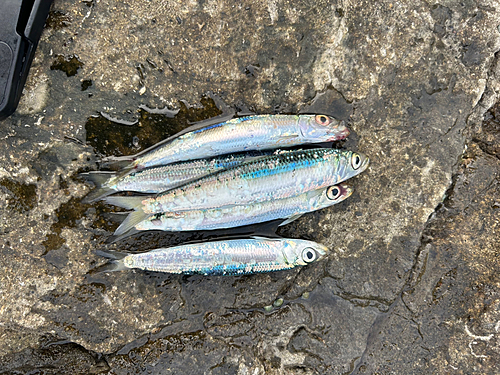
(410, 285)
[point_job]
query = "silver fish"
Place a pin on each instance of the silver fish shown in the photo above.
(164, 177)
(218, 258)
(234, 216)
(267, 178)
(248, 133)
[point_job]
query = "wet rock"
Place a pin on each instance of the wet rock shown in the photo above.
(53, 357)
(410, 282)
(18, 197)
(488, 136)
(68, 64)
(452, 297)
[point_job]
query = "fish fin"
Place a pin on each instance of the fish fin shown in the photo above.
(99, 179)
(97, 194)
(118, 162)
(115, 264)
(133, 218)
(290, 219)
(117, 217)
(111, 254)
(111, 266)
(129, 203)
(131, 221)
(265, 238)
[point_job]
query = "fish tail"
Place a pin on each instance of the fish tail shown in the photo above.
(97, 194)
(115, 261)
(118, 162)
(111, 254)
(133, 218)
(99, 179)
(131, 221)
(117, 217)
(129, 203)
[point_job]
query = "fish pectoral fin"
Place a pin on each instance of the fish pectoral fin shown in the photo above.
(290, 219)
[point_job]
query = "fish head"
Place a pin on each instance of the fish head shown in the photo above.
(305, 252)
(350, 164)
(335, 194)
(321, 128)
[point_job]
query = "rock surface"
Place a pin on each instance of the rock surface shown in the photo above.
(411, 284)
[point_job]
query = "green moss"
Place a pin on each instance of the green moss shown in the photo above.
(68, 216)
(86, 83)
(53, 241)
(57, 20)
(91, 292)
(69, 64)
(22, 197)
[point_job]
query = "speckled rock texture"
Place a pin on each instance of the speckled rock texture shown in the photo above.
(411, 284)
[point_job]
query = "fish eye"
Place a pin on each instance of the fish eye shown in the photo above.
(333, 193)
(323, 120)
(356, 161)
(309, 255)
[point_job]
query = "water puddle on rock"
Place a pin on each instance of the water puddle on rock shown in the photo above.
(113, 137)
(67, 64)
(69, 214)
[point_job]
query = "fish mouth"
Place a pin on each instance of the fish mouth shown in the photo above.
(322, 250)
(347, 190)
(364, 164)
(340, 134)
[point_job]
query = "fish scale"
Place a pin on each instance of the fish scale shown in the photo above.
(161, 178)
(235, 216)
(259, 132)
(267, 178)
(229, 257)
(244, 133)
(273, 177)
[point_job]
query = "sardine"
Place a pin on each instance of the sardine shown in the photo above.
(218, 258)
(235, 216)
(248, 133)
(161, 178)
(267, 178)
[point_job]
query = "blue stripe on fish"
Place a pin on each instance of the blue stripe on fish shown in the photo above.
(208, 128)
(241, 269)
(240, 119)
(282, 168)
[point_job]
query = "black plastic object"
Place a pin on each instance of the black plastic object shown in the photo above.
(21, 24)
